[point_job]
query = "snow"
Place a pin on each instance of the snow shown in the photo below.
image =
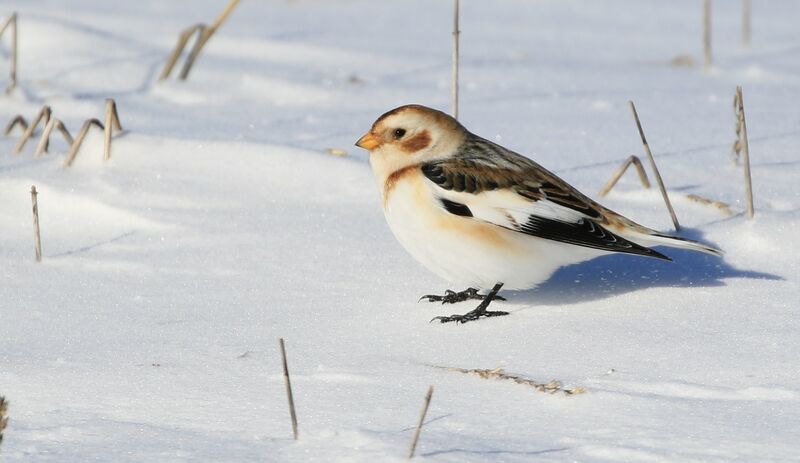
(149, 332)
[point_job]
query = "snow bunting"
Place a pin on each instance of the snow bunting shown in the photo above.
(478, 214)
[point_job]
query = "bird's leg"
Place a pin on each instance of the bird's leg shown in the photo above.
(479, 311)
(451, 297)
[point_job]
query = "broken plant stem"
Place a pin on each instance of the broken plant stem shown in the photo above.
(111, 123)
(287, 382)
(498, 373)
(456, 34)
(3, 417)
(76, 145)
(204, 34)
(44, 117)
(12, 23)
(36, 236)
(417, 432)
(224, 14)
(725, 208)
(737, 145)
(338, 152)
(183, 37)
(44, 141)
(748, 182)
(632, 160)
(203, 37)
(17, 121)
(656, 173)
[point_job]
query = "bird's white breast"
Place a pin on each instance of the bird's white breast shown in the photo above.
(466, 251)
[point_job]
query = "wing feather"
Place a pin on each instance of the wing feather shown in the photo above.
(489, 183)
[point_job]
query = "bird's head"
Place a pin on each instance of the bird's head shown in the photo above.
(410, 135)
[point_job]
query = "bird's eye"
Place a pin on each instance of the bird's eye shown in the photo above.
(398, 133)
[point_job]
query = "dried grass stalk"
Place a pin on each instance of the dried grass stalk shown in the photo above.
(288, 383)
(551, 387)
(632, 160)
(111, 123)
(204, 34)
(11, 22)
(724, 207)
(36, 236)
(456, 34)
(183, 38)
(17, 121)
(682, 61)
(417, 432)
(3, 417)
(748, 181)
(44, 140)
(736, 149)
(76, 145)
(43, 117)
(338, 152)
(656, 173)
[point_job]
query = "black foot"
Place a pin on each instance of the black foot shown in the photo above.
(451, 297)
(469, 316)
(479, 311)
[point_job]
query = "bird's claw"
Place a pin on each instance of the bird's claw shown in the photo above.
(448, 298)
(451, 297)
(469, 316)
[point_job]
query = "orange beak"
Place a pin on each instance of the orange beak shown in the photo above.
(369, 142)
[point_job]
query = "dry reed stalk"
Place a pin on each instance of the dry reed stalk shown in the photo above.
(12, 23)
(707, 35)
(287, 382)
(44, 141)
(3, 417)
(456, 34)
(724, 207)
(632, 160)
(417, 432)
(183, 37)
(681, 61)
(746, 23)
(748, 182)
(338, 152)
(497, 373)
(111, 123)
(76, 145)
(736, 149)
(657, 174)
(17, 121)
(36, 236)
(204, 34)
(44, 115)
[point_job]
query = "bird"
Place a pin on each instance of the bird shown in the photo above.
(480, 215)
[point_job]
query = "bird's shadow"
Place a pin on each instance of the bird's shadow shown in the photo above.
(616, 274)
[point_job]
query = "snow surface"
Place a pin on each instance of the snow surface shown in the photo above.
(149, 331)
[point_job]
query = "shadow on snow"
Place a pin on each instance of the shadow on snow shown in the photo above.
(616, 274)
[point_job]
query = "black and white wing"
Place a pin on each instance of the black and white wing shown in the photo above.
(486, 182)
